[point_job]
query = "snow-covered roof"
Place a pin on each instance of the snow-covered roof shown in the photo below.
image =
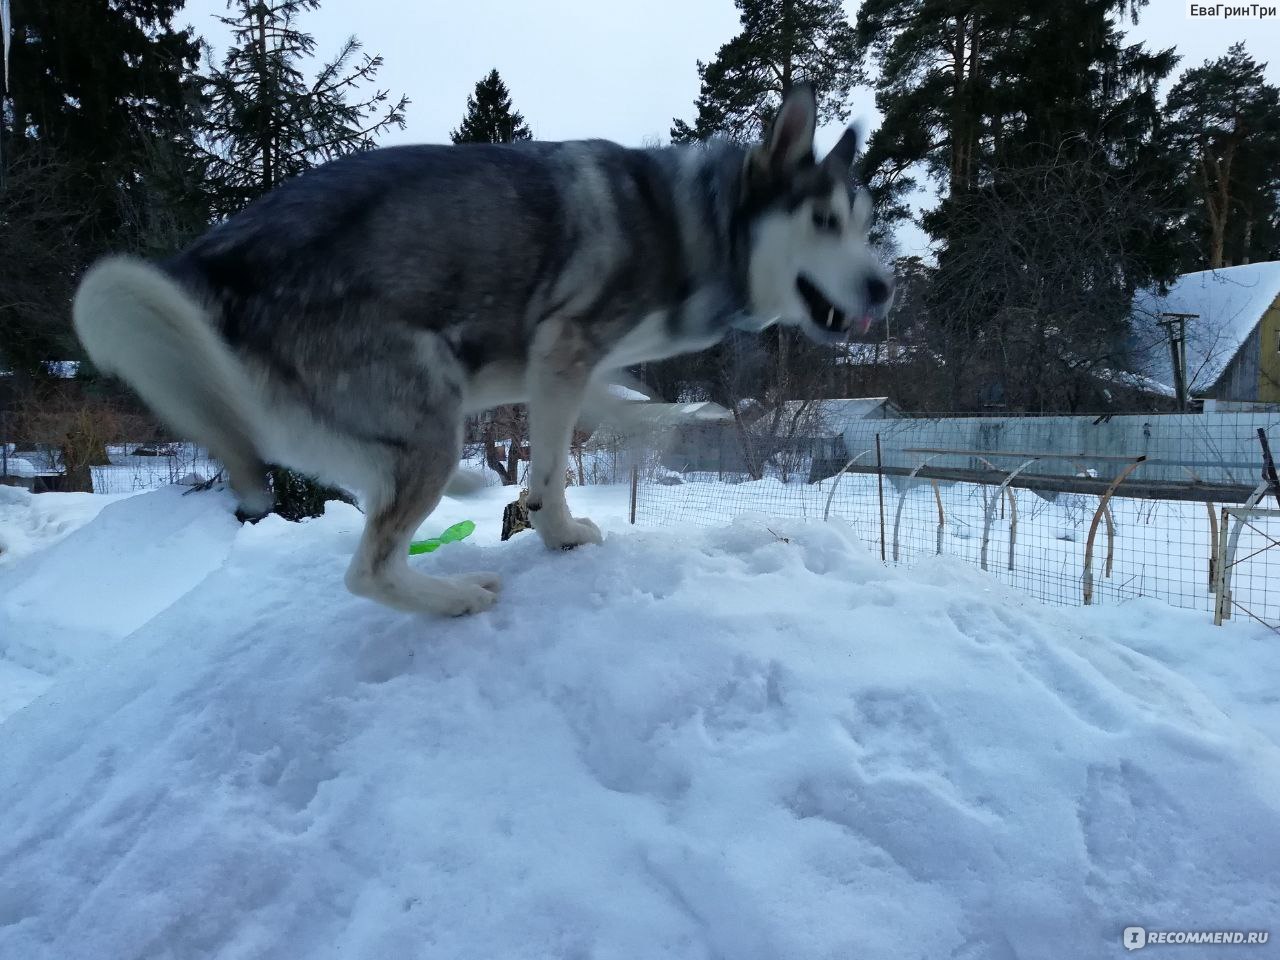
(833, 414)
(18, 467)
(1134, 381)
(626, 393)
(1228, 304)
(703, 411)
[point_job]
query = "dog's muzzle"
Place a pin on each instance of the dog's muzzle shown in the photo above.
(829, 322)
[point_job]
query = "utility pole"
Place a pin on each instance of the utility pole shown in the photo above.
(1175, 326)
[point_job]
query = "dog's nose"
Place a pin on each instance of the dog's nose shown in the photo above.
(878, 292)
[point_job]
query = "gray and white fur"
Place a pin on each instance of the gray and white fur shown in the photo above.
(346, 323)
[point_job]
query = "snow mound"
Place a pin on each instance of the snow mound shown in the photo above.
(29, 522)
(738, 743)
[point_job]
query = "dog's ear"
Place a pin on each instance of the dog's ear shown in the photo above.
(788, 145)
(841, 157)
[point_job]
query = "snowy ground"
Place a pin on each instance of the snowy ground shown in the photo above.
(703, 743)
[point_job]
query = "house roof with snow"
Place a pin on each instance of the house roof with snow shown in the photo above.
(671, 414)
(626, 393)
(18, 467)
(1228, 304)
(1134, 381)
(833, 415)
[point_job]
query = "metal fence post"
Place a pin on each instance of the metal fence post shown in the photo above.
(880, 485)
(635, 485)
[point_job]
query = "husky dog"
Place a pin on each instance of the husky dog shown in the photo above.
(346, 323)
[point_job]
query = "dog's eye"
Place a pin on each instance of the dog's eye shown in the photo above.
(826, 222)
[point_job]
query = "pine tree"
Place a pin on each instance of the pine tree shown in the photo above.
(967, 85)
(934, 65)
(982, 97)
(489, 117)
(92, 87)
(266, 122)
(1223, 129)
(782, 42)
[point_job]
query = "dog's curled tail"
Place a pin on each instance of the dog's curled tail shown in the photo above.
(139, 324)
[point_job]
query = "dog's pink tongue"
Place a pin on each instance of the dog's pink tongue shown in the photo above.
(865, 322)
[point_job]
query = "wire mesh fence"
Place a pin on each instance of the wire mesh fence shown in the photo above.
(1248, 542)
(129, 467)
(145, 466)
(1070, 510)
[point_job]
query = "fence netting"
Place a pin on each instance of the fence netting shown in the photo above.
(1069, 510)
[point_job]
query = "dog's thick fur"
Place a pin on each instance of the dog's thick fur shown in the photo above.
(345, 324)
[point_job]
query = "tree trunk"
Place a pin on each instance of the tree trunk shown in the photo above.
(513, 461)
(77, 477)
(788, 32)
(971, 85)
(493, 457)
(1217, 234)
(1216, 176)
(265, 134)
(958, 87)
(749, 452)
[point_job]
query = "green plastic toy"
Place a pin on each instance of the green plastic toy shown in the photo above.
(459, 531)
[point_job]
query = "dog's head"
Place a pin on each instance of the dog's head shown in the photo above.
(810, 264)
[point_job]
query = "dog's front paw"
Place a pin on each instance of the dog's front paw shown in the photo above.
(489, 581)
(466, 596)
(573, 533)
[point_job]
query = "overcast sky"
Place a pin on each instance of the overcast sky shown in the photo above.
(620, 70)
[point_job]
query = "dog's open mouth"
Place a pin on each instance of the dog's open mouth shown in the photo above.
(827, 315)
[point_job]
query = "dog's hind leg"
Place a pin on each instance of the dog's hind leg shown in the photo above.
(559, 368)
(380, 568)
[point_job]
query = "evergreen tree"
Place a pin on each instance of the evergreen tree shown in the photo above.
(934, 65)
(266, 122)
(93, 87)
(1223, 130)
(983, 96)
(490, 118)
(782, 43)
(965, 86)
